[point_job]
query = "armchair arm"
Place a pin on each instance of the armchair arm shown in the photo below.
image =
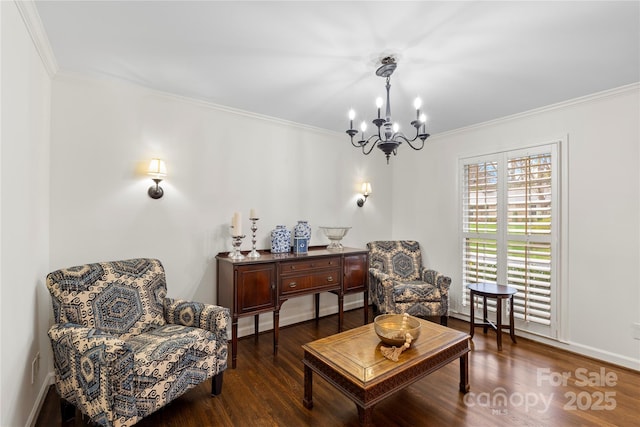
(438, 279)
(378, 275)
(210, 317)
(94, 370)
(381, 290)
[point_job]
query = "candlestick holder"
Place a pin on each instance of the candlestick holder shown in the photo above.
(236, 242)
(254, 253)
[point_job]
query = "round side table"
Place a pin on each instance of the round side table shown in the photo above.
(499, 292)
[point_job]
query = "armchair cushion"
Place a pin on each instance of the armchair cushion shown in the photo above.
(415, 291)
(169, 358)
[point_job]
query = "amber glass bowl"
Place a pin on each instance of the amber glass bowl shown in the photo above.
(392, 328)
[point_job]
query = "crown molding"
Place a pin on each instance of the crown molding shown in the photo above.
(96, 78)
(32, 21)
(621, 90)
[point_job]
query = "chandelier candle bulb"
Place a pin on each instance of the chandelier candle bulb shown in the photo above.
(417, 104)
(252, 213)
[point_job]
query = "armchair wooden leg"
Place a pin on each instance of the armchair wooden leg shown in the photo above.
(67, 410)
(216, 384)
(443, 320)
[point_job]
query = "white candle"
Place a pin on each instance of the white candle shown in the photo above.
(252, 213)
(237, 224)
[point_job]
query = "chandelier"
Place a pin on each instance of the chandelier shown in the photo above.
(388, 137)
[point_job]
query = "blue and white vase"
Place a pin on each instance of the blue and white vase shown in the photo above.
(280, 240)
(302, 229)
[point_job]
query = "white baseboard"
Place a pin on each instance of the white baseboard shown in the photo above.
(42, 395)
(573, 347)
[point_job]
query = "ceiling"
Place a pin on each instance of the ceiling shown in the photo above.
(310, 62)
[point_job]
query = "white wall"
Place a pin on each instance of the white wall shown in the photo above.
(219, 161)
(24, 220)
(600, 271)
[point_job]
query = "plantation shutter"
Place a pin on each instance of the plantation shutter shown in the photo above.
(480, 223)
(529, 194)
(508, 230)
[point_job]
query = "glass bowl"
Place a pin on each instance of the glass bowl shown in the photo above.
(392, 328)
(335, 235)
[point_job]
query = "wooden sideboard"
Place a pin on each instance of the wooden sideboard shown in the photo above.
(252, 286)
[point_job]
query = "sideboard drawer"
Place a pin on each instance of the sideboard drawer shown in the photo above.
(288, 267)
(295, 284)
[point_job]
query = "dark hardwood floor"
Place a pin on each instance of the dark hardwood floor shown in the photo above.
(519, 386)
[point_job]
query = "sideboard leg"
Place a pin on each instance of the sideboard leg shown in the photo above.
(340, 311)
(276, 330)
(234, 342)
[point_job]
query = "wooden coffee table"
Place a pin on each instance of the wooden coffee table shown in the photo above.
(351, 361)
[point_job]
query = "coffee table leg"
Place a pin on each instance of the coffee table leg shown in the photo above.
(464, 373)
(365, 415)
(308, 388)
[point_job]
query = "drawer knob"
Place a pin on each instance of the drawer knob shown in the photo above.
(330, 279)
(293, 284)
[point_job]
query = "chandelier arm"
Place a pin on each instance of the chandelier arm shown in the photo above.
(355, 144)
(409, 141)
(414, 147)
(373, 140)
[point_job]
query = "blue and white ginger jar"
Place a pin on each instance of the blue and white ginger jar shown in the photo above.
(302, 229)
(280, 240)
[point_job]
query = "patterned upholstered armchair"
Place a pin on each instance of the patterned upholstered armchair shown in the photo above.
(121, 349)
(400, 284)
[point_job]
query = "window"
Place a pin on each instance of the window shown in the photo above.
(510, 232)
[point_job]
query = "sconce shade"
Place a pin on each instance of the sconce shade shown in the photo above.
(157, 168)
(366, 192)
(366, 188)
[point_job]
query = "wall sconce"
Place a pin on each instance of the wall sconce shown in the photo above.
(366, 192)
(157, 170)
